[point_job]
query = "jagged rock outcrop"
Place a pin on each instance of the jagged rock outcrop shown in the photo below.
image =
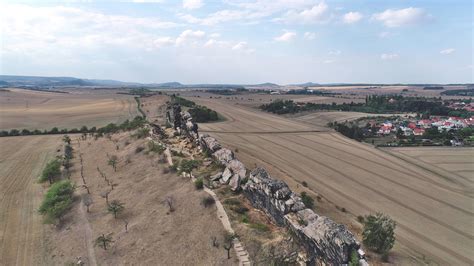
(223, 155)
(324, 240)
(209, 143)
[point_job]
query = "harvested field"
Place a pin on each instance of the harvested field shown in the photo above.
(457, 162)
(434, 211)
(27, 109)
(23, 237)
(155, 108)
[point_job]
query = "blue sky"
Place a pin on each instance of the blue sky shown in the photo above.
(240, 41)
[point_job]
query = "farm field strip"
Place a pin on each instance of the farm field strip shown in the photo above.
(22, 234)
(358, 177)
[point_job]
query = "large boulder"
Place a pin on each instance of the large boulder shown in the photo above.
(226, 175)
(237, 167)
(224, 155)
(210, 143)
(234, 182)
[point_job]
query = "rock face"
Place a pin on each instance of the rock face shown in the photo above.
(209, 143)
(324, 240)
(223, 155)
(270, 195)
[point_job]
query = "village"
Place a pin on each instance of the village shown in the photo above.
(412, 130)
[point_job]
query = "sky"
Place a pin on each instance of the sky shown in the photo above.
(240, 41)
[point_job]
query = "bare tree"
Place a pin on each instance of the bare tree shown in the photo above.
(113, 162)
(105, 195)
(87, 200)
(214, 242)
(87, 188)
(169, 202)
(126, 225)
(228, 246)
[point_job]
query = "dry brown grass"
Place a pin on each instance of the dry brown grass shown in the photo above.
(434, 212)
(44, 110)
(155, 235)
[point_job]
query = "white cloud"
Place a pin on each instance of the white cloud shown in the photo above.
(329, 61)
(189, 35)
(389, 56)
(309, 35)
(447, 51)
(224, 16)
(401, 17)
(385, 34)
(239, 46)
(352, 17)
(163, 41)
(192, 4)
(315, 14)
(148, 1)
(285, 37)
(334, 52)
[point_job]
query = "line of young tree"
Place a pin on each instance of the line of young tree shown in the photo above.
(137, 122)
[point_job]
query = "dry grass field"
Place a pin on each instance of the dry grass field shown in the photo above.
(322, 118)
(23, 237)
(155, 236)
(27, 109)
(434, 212)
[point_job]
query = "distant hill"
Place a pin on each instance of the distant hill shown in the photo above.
(36, 81)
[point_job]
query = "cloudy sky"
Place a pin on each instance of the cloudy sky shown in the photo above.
(240, 41)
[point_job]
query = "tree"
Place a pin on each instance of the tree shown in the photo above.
(51, 171)
(113, 162)
(87, 200)
(105, 195)
(67, 139)
(57, 200)
(228, 239)
(103, 241)
(115, 207)
(169, 202)
(379, 232)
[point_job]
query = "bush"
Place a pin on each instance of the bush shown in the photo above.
(202, 114)
(304, 184)
(139, 149)
(188, 165)
(360, 218)
(141, 133)
(379, 233)
(240, 209)
(260, 227)
(199, 183)
(354, 258)
(307, 200)
(157, 148)
(208, 201)
(51, 171)
(57, 200)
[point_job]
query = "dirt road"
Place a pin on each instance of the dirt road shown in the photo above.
(434, 212)
(22, 233)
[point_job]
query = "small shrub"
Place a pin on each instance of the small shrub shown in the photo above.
(188, 165)
(232, 201)
(236, 150)
(173, 168)
(304, 184)
(307, 200)
(245, 219)
(165, 171)
(240, 209)
(141, 133)
(199, 183)
(154, 147)
(354, 258)
(139, 149)
(343, 209)
(319, 198)
(208, 201)
(302, 222)
(260, 227)
(360, 218)
(379, 233)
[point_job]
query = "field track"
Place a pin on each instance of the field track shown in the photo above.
(22, 233)
(433, 205)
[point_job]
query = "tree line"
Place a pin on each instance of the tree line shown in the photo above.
(137, 122)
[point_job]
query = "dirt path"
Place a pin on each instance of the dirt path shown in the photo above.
(434, 212)
(22, 233)
(88, 240)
